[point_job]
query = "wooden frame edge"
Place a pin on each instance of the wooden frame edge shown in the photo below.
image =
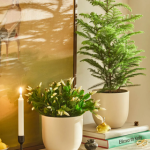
(75, 44)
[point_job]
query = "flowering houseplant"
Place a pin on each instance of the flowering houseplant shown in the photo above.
(62, 100)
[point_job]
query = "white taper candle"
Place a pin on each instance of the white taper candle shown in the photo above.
(20, 115)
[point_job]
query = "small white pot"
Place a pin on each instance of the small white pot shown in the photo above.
(117, 108)
(62, 133)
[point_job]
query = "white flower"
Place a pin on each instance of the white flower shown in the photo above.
(102, 108)
(96, 104)
(54, 94)
(93, 92)
(71, 81)
(49, 107)
(29, 88)
(51, 84)
(79, 89)
(76, 98)
(40, 84)
(50, 88)
(30, 93)
(65, 113)
(54, 101)
(99, 117)
(62, 82)
(51, 96)
(58, 84)
(26, 95)
(72, 99)
(61, 113)
(55, 88)
(33, 108)
(96, 110)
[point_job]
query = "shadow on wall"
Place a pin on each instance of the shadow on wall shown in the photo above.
(36, 46)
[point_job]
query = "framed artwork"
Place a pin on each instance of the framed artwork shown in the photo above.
(37, 44)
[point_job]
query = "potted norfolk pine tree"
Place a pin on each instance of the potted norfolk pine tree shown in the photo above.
(113, 57)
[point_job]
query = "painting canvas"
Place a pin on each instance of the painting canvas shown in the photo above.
(36, 45)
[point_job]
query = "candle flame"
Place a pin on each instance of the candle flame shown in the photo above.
(20, 91)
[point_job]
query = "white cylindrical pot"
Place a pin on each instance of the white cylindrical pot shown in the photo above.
(117, 108)
(62, 133)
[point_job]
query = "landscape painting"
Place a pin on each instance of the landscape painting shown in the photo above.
(36, 45)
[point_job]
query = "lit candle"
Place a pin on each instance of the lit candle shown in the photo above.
(20, 114)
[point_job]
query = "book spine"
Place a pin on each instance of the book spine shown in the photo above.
(128, 139)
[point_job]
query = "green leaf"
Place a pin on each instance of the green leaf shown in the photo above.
(81, 92)
(66, 88)
(86, 96)
(74, 93)
(77, 107)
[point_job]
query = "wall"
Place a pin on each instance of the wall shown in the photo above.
(83, 75)
(139, 96)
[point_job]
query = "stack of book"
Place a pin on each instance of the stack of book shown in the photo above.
(128, 134)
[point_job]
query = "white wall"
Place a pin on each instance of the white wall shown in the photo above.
(140, 96)
(84, 77)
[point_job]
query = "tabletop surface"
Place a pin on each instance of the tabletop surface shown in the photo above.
(126, 147)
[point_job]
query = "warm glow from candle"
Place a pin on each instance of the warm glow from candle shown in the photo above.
(20, 91)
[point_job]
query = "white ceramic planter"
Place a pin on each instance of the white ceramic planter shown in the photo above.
(117, 108)
(62, 133)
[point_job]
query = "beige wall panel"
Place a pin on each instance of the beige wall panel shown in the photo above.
(139, 96)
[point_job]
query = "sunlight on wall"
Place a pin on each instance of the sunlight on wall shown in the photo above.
(36, 44)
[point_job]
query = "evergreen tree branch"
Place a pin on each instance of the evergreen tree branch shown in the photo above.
(121, 5)
(98, 3)
(131, 85)
(93, 63)
(96, 85)
(133, 18)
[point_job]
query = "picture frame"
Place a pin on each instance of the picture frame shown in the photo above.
(6, 55)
